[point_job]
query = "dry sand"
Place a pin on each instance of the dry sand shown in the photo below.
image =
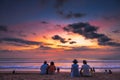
(57, 76)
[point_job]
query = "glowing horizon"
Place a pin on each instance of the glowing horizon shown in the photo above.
(56, 27)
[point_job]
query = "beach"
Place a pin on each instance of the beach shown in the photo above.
(57, 76)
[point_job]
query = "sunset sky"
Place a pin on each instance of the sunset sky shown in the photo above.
(60, 29)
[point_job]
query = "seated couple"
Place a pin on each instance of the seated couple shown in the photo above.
(85, 69)
(47, 69)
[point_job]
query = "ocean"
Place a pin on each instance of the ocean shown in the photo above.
(34, 65)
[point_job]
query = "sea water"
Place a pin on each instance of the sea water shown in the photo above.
(34, 65)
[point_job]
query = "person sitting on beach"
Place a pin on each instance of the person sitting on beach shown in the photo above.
(75, 69)
(51, 68)
(13, 72)
(58, 69)
(85, 69)
(43, 68)
(106, 72)
(92, 70)
(110, 72)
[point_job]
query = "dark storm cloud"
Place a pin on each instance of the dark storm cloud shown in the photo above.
(70, 14)
(104, 39)
(62, 40)
(57, 37)
(111, 44)
(84, 29)
(3, 28)
(90, 32)
(22, 41)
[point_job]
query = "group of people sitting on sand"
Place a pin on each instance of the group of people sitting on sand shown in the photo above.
(84, 71)
(47, 69)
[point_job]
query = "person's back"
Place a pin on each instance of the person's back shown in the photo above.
(43, 68)
(52, 68)
(85, 69)
(75, 69)
(110, 72)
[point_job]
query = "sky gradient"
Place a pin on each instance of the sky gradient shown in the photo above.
(60, 29)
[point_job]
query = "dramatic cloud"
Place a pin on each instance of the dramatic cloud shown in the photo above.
(84, 29)
(90, 32)
(3, 28)
(22, 41)
(103, 39)
(111, 44)
(57, 37)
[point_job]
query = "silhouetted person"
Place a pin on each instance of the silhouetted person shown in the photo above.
(47, 69)
(75, 69)
(58, 69)
(13, 72)
(52, 68)
(44, 67)
(110, 72)
(93, 69)
(106, 71)
(85, 69)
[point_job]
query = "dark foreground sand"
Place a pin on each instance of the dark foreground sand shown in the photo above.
(57, 76)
